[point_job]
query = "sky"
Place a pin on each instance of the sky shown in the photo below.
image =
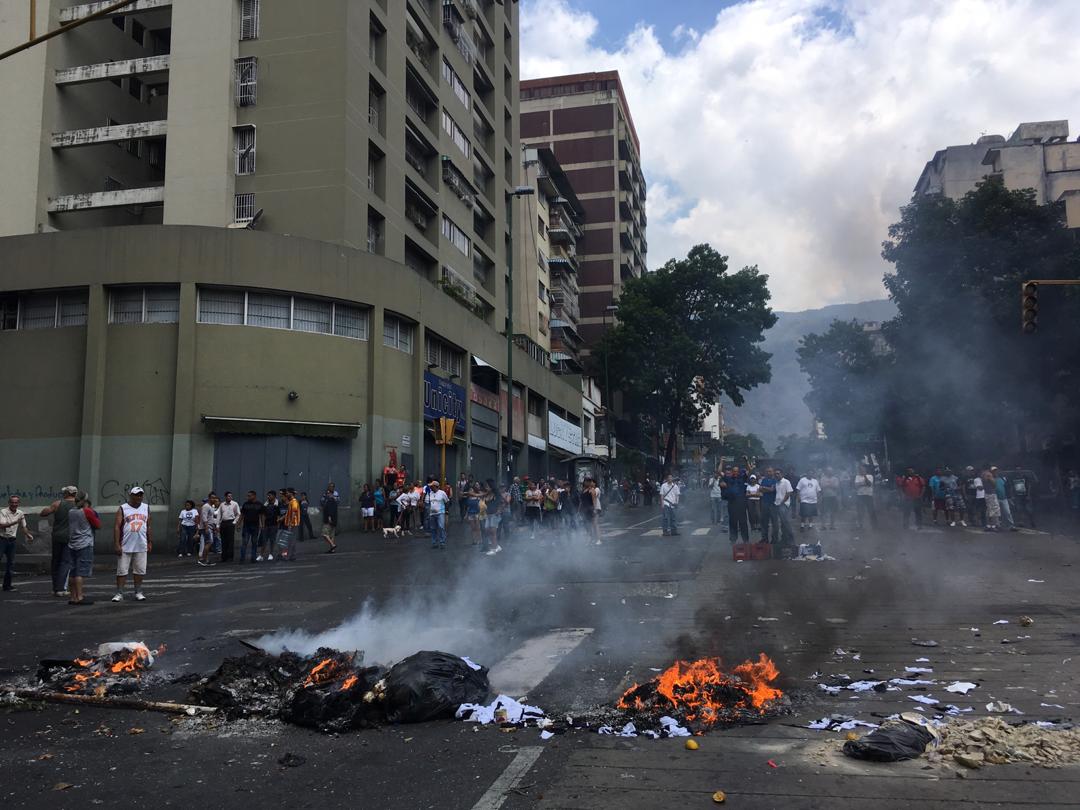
(788, 133)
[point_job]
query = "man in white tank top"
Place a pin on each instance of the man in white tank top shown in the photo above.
(132, 539)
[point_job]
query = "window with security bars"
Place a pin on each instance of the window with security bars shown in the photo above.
(244, 147)
(311, 315)
(43, 310)
(398, 333)
(249, 19)
(247, 77)
(144, 304)
(350, 322)
(267, 309)
(441, 354)
(456, 236)
(282, 311)
(244, 208)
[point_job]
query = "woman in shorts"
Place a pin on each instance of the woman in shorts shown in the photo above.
(472, 513)
(367, 508)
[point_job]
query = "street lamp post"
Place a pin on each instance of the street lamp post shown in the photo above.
(519, 191)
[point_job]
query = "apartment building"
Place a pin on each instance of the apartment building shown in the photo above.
(584, 119)
(327, 171)
(1038, 155)
(546, 310)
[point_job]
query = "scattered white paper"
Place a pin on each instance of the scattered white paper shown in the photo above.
(924, 699)
(605, 730)
(516, 712)
(1045, 724)
(546, 735)
(960, 687)
(911, 682)
(1037, 581)
(1002, 621)
(857, 657)
(974, 629)
(922, 660)
(863, 686)
(840, 651)
(832, 690)
(655, 669)
(470, 662)
(629, 730)
(767, 619)
(669, 596)
(672, 727)
(818, 725)
(1051, 706)
(918, 670)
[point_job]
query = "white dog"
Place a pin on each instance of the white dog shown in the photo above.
(393, 531)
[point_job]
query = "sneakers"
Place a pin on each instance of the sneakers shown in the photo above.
(270, 557)
(178, 556)
(952, 524)
(963, 523)
(201, 562)
(118, 598)
(140, 596)
(260, 558)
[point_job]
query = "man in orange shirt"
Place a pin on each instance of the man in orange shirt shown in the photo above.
(290, 525)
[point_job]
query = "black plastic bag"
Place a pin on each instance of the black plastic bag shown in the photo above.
(431, 686)
(891, 743)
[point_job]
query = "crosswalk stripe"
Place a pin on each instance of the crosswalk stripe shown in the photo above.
(652, 533)
(700, 532)
(614, 532)
(520, 671)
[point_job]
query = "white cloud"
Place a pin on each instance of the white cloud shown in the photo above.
(789, 133)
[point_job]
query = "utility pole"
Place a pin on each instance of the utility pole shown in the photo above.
(519, 191)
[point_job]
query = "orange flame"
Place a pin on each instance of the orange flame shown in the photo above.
(321, 672)
(349, 683)
(137, 660)
(703, 690)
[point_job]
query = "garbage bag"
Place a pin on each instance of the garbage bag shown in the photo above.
(430, 686)
(894, 741)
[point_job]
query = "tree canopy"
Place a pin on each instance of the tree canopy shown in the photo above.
(958, 381)
(686, 334)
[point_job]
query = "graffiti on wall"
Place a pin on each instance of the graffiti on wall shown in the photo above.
(156, 491)
(34, 493)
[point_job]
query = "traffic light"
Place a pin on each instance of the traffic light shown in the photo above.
(1030, 307)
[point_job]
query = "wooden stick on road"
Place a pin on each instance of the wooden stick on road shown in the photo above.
(106, 702)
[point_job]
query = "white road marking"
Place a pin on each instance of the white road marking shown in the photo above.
(527, 666)
(642, 523)
(613, 532)
(700, 532)
(652, 533)
(495, 795)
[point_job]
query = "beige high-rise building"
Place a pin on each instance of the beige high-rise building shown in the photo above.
(263, 243)
(546, 309)
(1038, 155)
(585, 120)
(383, 125)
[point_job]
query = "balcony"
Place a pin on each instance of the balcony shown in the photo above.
(419, 153)
(421, 211)
(107, 71)
(74, 13)
(535, 351)
(562, 230)
(140, 131)
(454, 284)
(418, 42)
(457, 183)
(107, 199)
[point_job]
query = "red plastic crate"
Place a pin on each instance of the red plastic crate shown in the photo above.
(740, 551)
(760, 551)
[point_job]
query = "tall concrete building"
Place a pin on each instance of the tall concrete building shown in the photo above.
(1037, 155)
(585, 120)
(546, 306)
(333, 173)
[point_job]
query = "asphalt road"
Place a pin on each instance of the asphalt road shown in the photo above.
(579, 624)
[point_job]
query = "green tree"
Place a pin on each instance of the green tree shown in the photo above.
(965, 381)
(848, 374)
(738, 445)
(686, 334)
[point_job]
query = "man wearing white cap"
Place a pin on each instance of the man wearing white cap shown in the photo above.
(132, 539)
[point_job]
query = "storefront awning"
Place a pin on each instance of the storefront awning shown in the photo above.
(280, 427)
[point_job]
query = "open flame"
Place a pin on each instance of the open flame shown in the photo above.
(93, 675)
(332, 669)
(349, 683)
(701, 691)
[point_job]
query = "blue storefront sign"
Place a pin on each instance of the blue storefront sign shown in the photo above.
(443, 398)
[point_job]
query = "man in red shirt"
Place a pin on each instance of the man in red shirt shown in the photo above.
(912, 486)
